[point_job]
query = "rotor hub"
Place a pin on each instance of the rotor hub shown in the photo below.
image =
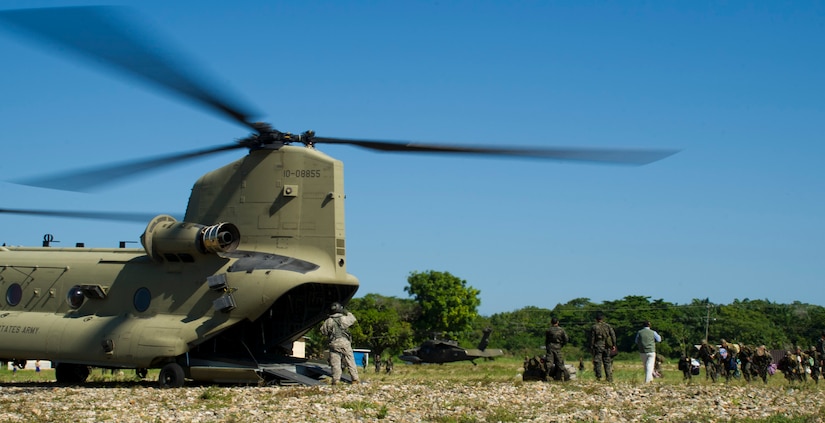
(267, 136)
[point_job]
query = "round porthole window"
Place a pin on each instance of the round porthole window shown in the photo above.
(142, 299)
(75, 297)
(14, 294)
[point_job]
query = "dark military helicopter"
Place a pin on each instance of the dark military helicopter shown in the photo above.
(221, 295)
(440, 350)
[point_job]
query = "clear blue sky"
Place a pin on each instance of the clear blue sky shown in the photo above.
(739, 87)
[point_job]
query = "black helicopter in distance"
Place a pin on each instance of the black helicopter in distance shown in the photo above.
(440, 350)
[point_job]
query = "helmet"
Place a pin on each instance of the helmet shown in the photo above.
(336, 307)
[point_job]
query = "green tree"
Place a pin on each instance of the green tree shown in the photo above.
(739, 322)
(521, 332)
(447, 303)
(383, 323)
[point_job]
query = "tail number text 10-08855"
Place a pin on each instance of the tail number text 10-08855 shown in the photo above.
(302, 173)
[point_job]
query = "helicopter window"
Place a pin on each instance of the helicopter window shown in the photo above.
(142, 299)
(14, 294)
(75, 297)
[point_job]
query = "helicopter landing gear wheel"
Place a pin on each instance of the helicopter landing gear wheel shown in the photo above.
(141, 373)
(171, 376)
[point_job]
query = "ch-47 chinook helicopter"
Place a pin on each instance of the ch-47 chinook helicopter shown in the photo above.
(221, 295)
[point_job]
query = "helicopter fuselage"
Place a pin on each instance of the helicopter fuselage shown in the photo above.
(193, 290)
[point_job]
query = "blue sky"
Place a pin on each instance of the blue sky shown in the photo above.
(739, 87)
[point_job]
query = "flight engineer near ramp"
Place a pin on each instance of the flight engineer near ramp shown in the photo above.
(336, 329)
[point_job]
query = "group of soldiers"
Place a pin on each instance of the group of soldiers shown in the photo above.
(733, 360)
(729, 360)
(602, 343)
(386, 364)
(798, 364)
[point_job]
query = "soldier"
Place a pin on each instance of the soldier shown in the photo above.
(602, 345)
(814, 361)
(804, 363)
(336, 329)
(793, 365)
(555, 338)
(534, 368)
(746, 362)
(388, 365)
(787, 365)
(377, 359)
(707, 353)
(727, 359)
(685, 366)
(820, 348)
(761, 361)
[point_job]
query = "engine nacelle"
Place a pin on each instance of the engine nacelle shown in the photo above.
(166, 239)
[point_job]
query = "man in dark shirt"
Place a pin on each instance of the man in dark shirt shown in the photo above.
(554, 339)
(602, 344)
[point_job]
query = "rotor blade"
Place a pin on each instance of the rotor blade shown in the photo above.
(598, 155)
(114, 216)
(88, 180)
(105, 35)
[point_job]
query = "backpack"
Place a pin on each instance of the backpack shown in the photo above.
(338, 331)
(601, 332)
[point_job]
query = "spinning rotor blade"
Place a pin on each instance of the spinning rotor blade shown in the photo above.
(89, 179)
(114, 216)
(107, 36)
(598, 155)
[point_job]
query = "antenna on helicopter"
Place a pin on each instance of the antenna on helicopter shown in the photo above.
(48, 239)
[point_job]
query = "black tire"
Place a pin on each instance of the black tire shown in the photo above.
(171, 376)
(141, 373)
(71, 373)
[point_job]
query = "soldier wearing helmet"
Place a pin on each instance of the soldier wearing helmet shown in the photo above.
(336, 329)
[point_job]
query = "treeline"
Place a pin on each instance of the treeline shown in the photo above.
(444, 304)
(390, 324)
(754, 322)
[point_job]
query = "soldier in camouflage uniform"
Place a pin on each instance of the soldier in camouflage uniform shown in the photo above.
(745, 357)
(602, 344)
(554, 340)
(707, 354)
(804, 361)
(761, 361)
(534, 369)
(336, 329)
